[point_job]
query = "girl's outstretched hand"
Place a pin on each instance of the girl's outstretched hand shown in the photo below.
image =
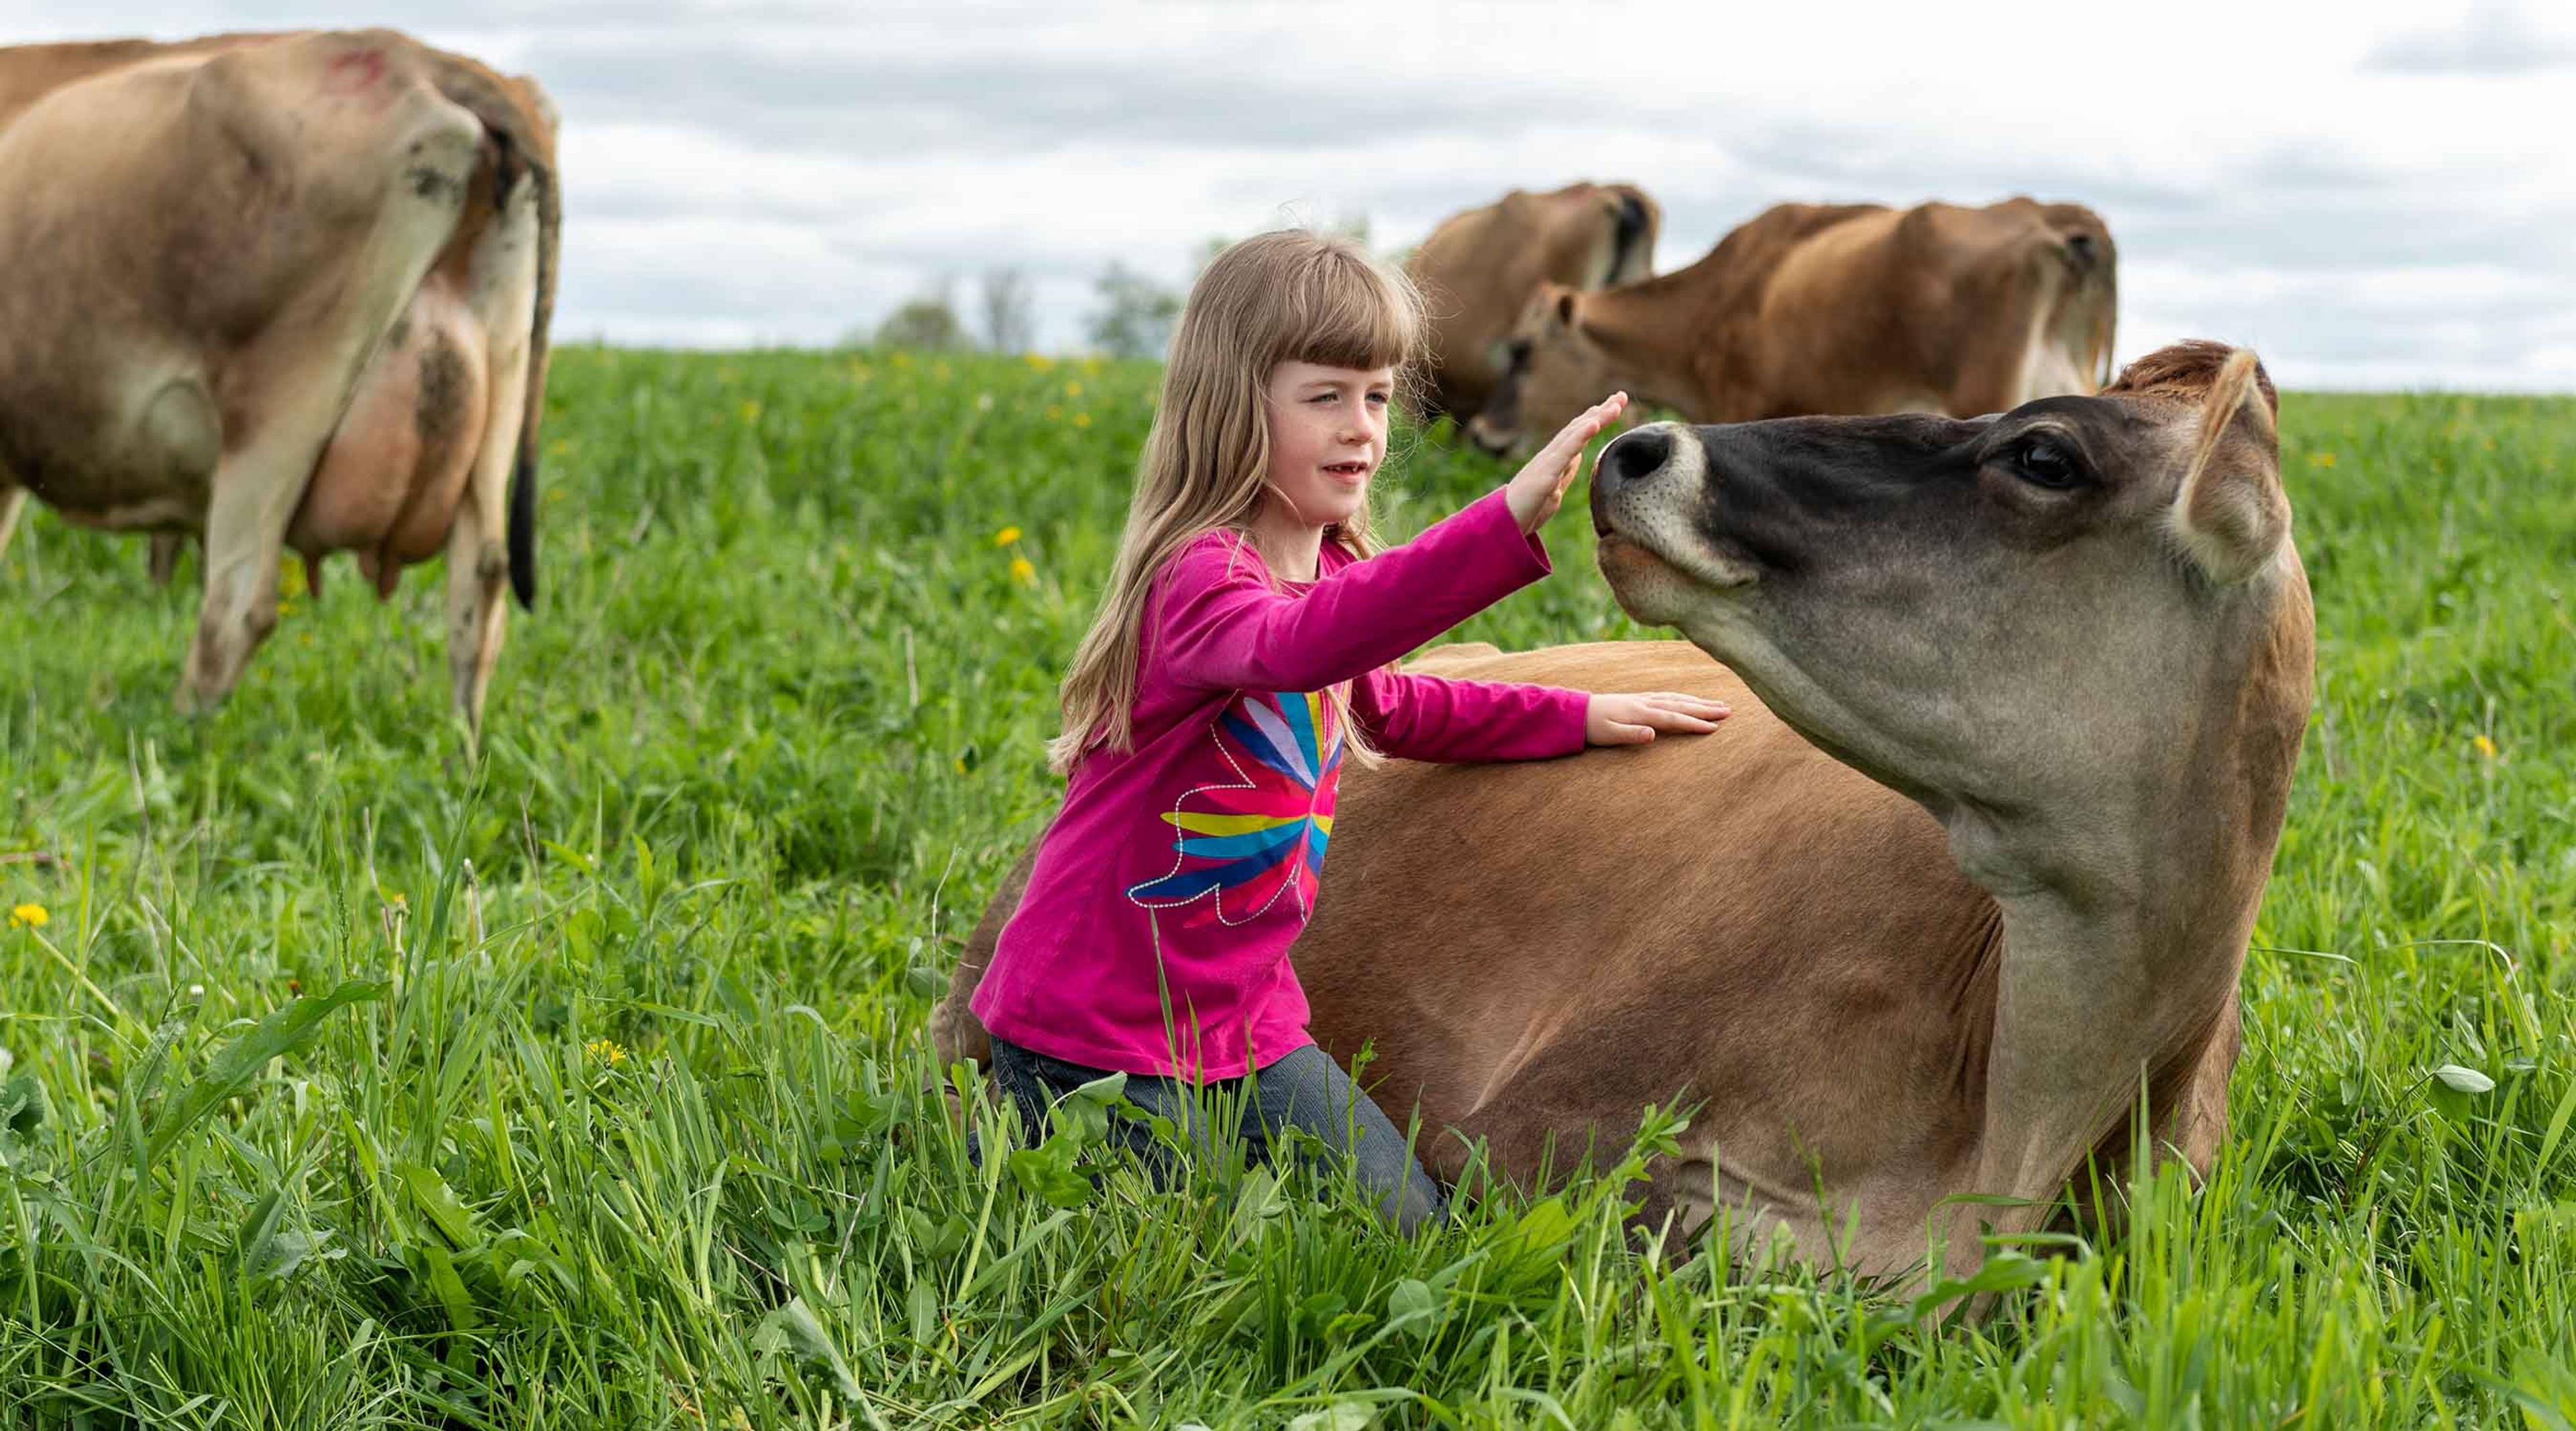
(1539, 489)
(1633, 720)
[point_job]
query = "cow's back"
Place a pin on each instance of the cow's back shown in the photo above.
(1737, 291)
(30, 72)
(1862, 309)
(1550, 945)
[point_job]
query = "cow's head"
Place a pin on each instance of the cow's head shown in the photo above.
(1552, 371)
(2053, 611)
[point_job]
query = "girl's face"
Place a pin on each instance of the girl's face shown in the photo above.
(1327, 437)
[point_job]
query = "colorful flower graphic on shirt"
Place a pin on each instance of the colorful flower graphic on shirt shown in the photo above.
(1241, 846)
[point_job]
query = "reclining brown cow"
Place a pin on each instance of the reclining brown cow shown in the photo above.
(1478, 269)
(2051, 670)
(1811, 310)
(281, 291)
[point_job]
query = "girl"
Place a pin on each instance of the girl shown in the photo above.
(1241, 653)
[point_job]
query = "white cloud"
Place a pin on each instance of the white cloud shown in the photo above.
(2492, 39)
(2380, 192)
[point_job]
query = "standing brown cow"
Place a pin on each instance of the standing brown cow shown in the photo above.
(1479, 268)
(1832, 309)
(281, 290)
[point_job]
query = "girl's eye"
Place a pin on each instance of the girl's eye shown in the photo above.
(1378, 398)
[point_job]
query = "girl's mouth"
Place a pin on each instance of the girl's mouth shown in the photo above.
(1351, 472)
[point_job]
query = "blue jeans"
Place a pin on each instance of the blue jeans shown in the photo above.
(1305, 1090)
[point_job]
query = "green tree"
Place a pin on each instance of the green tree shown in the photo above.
(1136, 314)
(928, 323)
(1008, 325)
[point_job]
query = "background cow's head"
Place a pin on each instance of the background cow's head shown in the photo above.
(2035, 621)
(1551, 372)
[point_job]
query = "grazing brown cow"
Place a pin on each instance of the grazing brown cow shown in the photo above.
(281, 291)
(1824, 310)
(2051, 670)
(1479, 268)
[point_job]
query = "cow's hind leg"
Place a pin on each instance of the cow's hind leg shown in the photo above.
(165, 557)
(256, 490)
(502, 292)
(298, 380)
(13, 500)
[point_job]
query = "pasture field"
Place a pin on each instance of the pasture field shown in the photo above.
(350, 1084)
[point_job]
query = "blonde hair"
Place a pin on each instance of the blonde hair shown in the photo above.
(1288, 296)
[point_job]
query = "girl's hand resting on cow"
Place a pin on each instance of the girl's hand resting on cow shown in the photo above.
(1634, 719)
(1539, 489)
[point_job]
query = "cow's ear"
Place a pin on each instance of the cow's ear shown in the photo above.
(2229, 512)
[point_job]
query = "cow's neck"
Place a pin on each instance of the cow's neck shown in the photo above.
(2116, 978)
(1649, 331)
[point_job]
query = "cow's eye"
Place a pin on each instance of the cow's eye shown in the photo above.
(2044, 462)
(1520, 352)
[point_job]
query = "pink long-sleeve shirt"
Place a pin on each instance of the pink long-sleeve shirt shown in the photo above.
(1178, 872)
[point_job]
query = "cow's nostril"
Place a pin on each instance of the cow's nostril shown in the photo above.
(1634, 457)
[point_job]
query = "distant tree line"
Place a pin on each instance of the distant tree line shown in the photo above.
(1133, 318)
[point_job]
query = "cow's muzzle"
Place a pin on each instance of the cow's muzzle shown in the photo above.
(1629, 464)
(1489, 439)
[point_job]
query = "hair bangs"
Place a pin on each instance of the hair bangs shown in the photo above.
(1346, 312)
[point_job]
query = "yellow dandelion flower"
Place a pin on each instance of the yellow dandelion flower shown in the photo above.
(751, 411)
(559, 447)
(901, 359)
(1073, 389)
(961, 765)
(860, 372)
(1082, 419)
(1054, 413)
(2485, 746)
(1091, 366)
(28, 916)
(606, 1051)
(290, 579)
(2321, 459)
(1039, 362)
(1006, 536)
(1024, 571)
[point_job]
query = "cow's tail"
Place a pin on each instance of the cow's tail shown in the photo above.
(521, 122)
(2090, 306)
(2101, 290)
(523, 477)
(1632, 240)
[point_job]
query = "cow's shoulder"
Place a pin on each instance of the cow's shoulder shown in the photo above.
(1745, 260)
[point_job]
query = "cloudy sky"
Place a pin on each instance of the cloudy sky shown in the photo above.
(2373, 194)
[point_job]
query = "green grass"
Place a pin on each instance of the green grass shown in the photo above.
(621, 1124)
